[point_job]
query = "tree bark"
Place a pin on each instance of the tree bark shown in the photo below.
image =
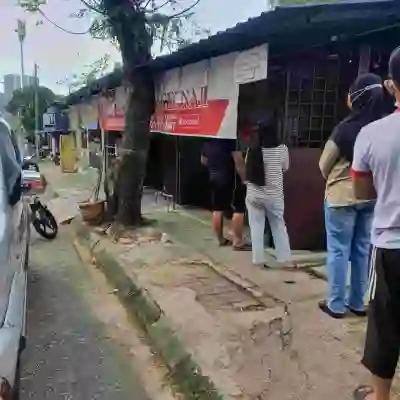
(135, 41)
(135, 144)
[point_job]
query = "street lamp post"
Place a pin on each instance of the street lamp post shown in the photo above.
(21, 31)
(37, 116)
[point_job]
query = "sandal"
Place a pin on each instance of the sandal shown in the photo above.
(242, 247)
(225, 242)
(362, 392)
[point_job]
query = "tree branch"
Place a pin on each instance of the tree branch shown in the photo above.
(60, 27)
(146, 5)
(158, 7)
(180, 13)
(92, 8)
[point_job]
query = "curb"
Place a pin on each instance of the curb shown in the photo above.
(139, 304)
(313, 271)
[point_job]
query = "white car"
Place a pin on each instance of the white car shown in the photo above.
(14, 250)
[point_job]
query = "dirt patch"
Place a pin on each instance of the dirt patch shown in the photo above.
(212, 291)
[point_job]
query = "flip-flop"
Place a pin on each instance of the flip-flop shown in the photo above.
(243, 247)
(225, 242)
(362, 392)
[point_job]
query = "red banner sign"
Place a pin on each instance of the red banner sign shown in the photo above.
(112, 110)
(189, 112)
(199, 99)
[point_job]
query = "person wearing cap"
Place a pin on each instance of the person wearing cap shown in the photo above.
(376, 174)
(348, 220)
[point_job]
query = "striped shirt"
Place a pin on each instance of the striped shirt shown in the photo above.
(276, 162)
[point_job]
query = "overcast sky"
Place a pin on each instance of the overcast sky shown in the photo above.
(60, 54)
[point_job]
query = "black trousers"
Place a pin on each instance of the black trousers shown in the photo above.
(382, 345)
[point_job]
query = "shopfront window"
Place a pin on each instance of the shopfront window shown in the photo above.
(312, 97)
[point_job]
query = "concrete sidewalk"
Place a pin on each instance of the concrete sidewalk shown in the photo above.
(66, 190)
(249, 333)
(225, 328)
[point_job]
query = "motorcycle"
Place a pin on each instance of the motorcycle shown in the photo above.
(55, 158)
(42, 219)
(29, 165)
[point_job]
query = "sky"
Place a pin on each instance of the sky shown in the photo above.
(59, 54)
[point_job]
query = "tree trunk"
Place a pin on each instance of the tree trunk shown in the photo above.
(135, 144)
(129, 28)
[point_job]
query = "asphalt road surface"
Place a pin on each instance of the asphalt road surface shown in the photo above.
(71, 353)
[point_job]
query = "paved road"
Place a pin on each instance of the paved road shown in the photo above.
(70, 354)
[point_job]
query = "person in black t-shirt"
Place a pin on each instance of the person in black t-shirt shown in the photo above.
(226, 169)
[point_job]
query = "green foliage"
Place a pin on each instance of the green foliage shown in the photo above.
(22, 104)
(90, 73)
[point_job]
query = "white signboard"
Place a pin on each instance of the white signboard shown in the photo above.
(201, 99)
(252, 65)
(49, 120)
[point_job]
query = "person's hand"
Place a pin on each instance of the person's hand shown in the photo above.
(389, 86)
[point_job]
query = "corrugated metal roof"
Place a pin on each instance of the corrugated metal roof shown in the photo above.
(331, 2)
(284, 26)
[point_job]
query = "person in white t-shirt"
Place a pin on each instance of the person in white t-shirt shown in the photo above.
(376, 174)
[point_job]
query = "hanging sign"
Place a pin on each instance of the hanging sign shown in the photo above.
(202, 99)
(112, 110)
(199, 99)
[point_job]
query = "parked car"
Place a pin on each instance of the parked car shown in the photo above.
(14, 254)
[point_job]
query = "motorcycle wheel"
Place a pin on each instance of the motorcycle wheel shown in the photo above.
(46, 225)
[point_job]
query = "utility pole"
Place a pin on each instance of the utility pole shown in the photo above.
(21, 31)
(37, 116)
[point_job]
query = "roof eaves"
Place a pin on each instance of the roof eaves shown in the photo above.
(242, 35)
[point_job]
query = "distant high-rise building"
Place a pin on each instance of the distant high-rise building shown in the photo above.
(30, 80)
(2, 102)
(12, 82)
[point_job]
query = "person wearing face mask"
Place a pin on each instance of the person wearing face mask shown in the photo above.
(347, 219)
(376, 174)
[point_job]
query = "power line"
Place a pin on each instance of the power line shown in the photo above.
(60, 27)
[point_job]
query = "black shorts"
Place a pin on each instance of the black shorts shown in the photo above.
(228, 197)
(382, 345)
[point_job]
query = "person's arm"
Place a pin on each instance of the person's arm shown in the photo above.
(204, 160)
(239, 163)
(203, 156)
(363, 185)
(285, 159)
(328, 158)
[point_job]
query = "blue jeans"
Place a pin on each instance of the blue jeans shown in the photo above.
(348, 231)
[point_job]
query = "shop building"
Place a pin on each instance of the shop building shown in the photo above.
(299, 59)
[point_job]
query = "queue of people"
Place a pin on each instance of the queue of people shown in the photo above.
(361, 166)
(257, 182)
